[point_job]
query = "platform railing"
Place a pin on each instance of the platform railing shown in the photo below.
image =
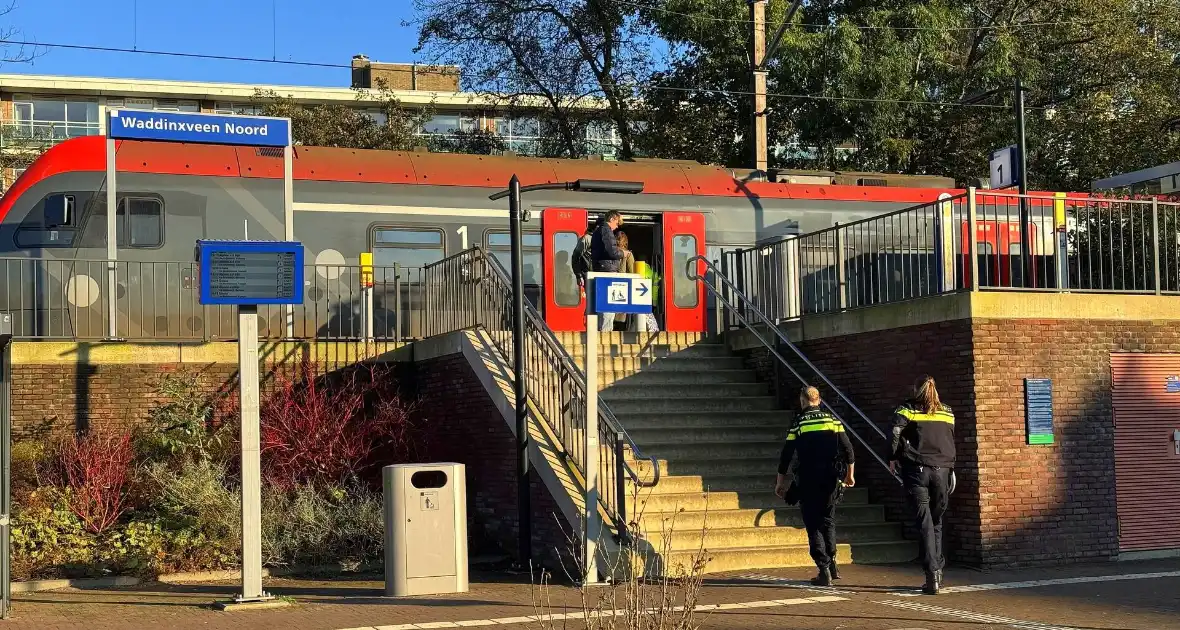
(969, 242)
(775, 341)
(472, 290)
(66, 299)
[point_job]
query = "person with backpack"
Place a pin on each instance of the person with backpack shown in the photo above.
(582, 261)
(607, 256)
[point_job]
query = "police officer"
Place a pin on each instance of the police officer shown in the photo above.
(924, 451)
(826, 462)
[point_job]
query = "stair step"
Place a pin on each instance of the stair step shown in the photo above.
(742, 484)
(705, 501)
(674, 420)
(780, 516)
(697, 351)
(635, 338)
(643, 434)
(698, 376)
(745, 537)
(678, 452)
(722, 560)
(696, 403)
(628, 391)
(669, 364)
(707, 466)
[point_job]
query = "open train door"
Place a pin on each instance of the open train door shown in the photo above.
(565, 308)
(684, 298)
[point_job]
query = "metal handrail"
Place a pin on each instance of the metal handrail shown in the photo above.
(531, 313)
(765, 321)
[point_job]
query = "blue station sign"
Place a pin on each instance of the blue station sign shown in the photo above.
(247, 273)
(620, 293)
(255, 131)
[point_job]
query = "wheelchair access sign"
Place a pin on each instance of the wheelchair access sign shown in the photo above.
(620, 293)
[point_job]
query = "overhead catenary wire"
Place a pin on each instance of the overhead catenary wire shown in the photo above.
(666, 88)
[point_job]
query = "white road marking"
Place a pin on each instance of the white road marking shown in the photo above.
(1002, 586)
(973, 616)
(506, 621)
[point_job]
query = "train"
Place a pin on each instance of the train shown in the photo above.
(408, 209)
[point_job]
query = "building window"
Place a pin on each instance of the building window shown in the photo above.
(408, 247)
(143, 226)
(522, 135)
(237, 109)
(602, 138)
(160, 105)
(52, 119)
(499, 244)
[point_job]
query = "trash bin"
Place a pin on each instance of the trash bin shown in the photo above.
(425, 529)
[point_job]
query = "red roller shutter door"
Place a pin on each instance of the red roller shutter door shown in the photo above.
(1147, 469)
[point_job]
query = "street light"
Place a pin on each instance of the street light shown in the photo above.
(1022, 159)
(524, 509)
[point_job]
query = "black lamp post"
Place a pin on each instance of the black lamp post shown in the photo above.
(524, 509)
(1022, 159)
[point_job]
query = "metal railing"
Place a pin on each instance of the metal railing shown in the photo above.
(751, 317)
(67, 299)
(968, 242)
(471, 289)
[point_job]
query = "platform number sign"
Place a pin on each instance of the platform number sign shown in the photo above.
(1004, 171)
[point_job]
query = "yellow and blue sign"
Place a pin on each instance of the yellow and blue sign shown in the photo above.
(619, 293)
(247, 273)
(255, 131)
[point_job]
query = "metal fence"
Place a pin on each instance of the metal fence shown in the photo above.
(968, 242)
(68, 299)
(470, 290)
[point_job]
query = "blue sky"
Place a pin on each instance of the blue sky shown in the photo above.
(306, 31)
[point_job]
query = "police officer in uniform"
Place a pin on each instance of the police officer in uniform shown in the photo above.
(826, 463)
(924, 454)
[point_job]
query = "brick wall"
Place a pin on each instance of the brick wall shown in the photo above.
(466, 427)
(1016, 504)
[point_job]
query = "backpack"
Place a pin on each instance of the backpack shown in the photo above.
(581, 262)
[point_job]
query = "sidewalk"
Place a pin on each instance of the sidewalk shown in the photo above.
(1142, 595)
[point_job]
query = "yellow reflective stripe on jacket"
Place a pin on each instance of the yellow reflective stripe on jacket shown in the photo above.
(825, 425)
(918, 416)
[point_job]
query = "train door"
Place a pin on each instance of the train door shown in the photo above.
(683, 297)
(998, 249)
(564, 307)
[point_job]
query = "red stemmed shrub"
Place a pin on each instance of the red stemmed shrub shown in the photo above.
(96, 468)
(330, 429)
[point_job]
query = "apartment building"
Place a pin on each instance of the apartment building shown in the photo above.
(37, 111)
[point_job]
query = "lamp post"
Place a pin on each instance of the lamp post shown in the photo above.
(515, 218)
(1022, 161)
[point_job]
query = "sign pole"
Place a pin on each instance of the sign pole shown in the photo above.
(593, 523)
(112, 233)
(289, 217)
(251, 466)
(5, 464)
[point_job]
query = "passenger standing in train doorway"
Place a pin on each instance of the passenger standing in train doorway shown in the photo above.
(608, 258)
(924, 454)
(630, 265)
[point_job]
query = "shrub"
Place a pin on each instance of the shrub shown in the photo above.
(331, 430)
(95, 469)
(325, 525)
(181, 427)
(29, 462)
(198, 513)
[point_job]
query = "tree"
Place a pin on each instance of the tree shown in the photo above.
(884, 77)
(478, 142)
(20, 145)
(562, 58)
(387, 126)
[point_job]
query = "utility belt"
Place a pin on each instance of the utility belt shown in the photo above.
(951, 481)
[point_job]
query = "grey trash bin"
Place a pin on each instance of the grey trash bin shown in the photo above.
(425, 529)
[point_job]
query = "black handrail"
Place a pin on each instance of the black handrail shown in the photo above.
(765, 321)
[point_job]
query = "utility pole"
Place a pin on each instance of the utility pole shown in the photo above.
(1026, 266)
(758, 56)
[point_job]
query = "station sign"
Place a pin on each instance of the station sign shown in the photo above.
(620, 293)
(255, 131)
(1004, 170)
(247, 273)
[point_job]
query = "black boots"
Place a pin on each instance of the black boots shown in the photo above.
(824, 578)
(833, 571)
(933, 583)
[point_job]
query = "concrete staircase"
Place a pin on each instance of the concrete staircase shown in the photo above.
(717, 432)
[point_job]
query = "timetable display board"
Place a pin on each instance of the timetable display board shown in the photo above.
(247, 273)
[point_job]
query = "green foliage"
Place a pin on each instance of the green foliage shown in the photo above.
(386, 125)
(317, 526)
(180, 428)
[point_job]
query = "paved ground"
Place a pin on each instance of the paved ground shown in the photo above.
(1122, 596)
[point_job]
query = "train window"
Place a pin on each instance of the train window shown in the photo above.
(52, 223)
(984, 248)
(140, 222)
(408, 247)
(565, 284)
(499, 244)
(686, 295)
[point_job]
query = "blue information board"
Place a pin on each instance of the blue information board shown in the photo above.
(255, 131)
(245, 273)
(620, 293)
(1038, 410)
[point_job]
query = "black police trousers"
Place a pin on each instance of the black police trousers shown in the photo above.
(817, 502)
(927, 488)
